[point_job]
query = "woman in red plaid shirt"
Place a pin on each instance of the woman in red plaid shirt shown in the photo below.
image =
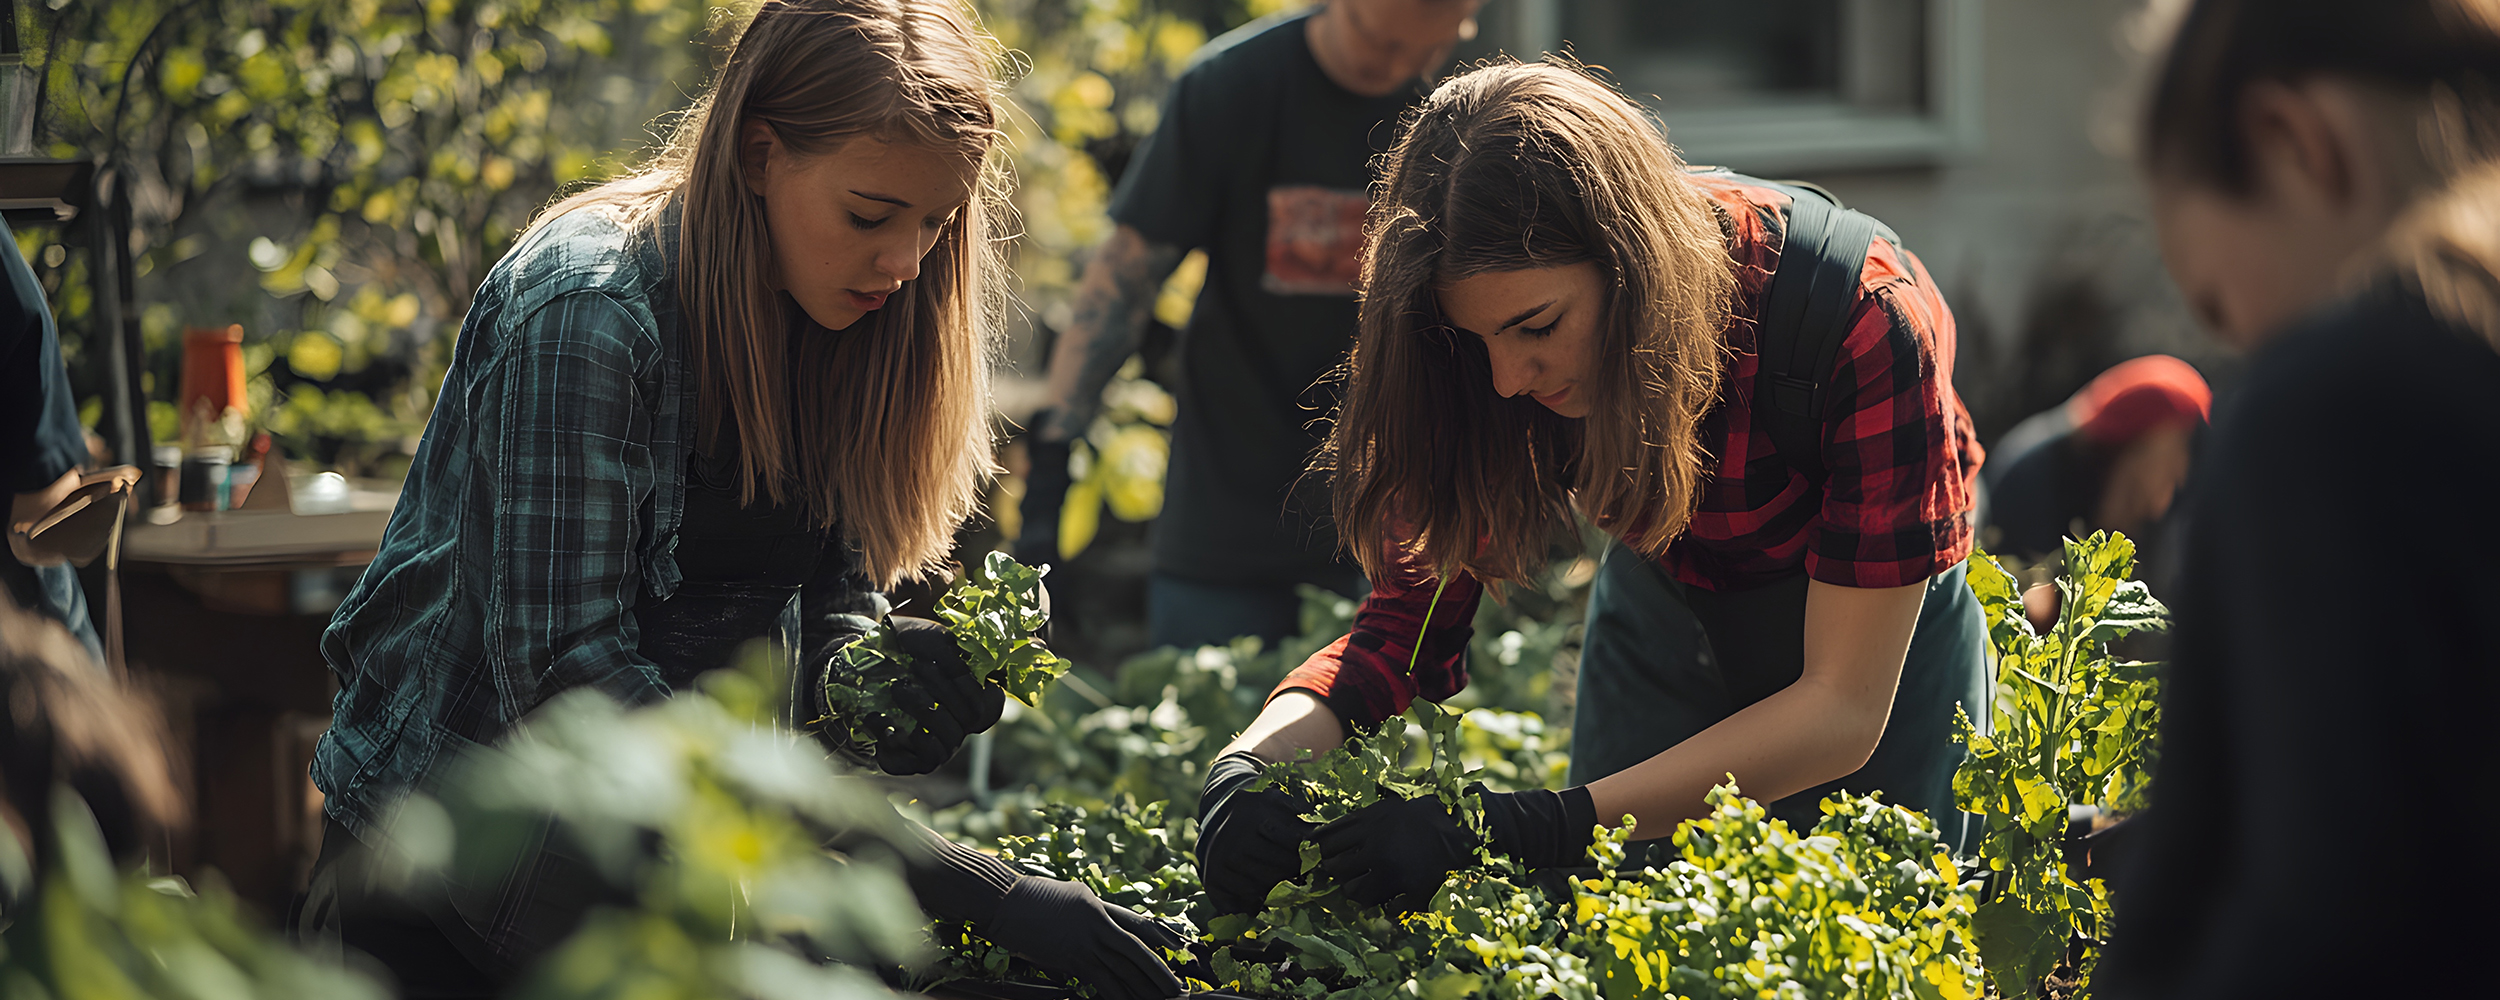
(1560, 316)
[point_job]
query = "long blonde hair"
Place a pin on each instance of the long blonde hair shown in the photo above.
(1510, 167)
(891, 437)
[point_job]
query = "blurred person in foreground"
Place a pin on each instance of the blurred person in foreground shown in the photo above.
(730, 396)
(68, 726)
(2326, 179)
(1262, 160)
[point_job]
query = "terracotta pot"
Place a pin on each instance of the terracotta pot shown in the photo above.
(212, 371)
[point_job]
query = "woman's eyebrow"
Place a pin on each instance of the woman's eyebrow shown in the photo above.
(886, 198)
(1523, 315)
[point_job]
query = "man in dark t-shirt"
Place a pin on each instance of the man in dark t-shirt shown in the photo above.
(1262, 160)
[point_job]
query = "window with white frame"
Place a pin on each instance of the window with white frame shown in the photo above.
(1782, 85)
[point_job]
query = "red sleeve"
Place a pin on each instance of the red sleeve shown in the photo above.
(1902, 453)
(1366, 677)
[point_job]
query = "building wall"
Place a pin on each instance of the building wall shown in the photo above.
(2037, 229)
(2040, 236)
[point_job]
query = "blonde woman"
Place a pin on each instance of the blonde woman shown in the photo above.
(1558, 316)
(728, 397)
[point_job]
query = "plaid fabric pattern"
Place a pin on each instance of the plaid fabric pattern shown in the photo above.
(1895, 510)
(542, 503)
(1902, 455)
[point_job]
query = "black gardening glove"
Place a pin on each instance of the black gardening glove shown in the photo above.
(940, 693)
(1060, 926)
(1399, 851)
(1045, 491)
(1066, 929)
(1247, 841)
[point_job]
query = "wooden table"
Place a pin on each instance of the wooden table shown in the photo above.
(223, 614)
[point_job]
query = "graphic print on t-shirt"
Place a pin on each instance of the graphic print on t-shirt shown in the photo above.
(1314, 240)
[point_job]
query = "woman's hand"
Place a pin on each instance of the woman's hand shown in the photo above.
(1065, 928)
(1060, 926)
(1247, 841)
(1399, 851)
(940, 694)
(1395, 851)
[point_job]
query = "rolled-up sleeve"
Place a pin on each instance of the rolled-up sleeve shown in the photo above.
(1409, 640)
(572, 467)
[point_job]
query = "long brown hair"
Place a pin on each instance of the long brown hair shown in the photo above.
(1508, 167)
(884, 427)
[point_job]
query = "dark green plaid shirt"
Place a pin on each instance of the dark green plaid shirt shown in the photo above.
(543, 504)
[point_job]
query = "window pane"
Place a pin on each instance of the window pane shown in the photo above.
(1705, 53)
(1717, 54)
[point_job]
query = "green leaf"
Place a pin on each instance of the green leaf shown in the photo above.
(2019, 947)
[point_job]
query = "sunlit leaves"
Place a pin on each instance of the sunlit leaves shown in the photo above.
(995, 615)
(2072, 723)
(1120, 461)
(1865, 904)
(401, 145)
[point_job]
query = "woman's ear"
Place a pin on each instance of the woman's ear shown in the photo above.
(2314, 145)
(757, 142)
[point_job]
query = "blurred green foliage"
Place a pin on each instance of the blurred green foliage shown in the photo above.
(88, 930)
(338, 175)
(1092, 92)
(711, 818)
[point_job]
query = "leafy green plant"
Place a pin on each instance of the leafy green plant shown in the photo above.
(2073, 723)
(90, 931)
(1868, 903)
(340, 174)
(710, 819)
(1128, 854)
(1865, 904)
(995, 615)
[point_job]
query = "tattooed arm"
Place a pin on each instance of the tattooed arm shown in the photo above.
(1112, 305)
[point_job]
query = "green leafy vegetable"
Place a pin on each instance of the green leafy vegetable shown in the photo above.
(2073, 724)
(995, 614)
(1866, 904)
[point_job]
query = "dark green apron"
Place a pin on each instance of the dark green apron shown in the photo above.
(1662, 661)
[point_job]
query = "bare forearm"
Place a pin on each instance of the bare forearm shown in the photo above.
(1822, 727)
(1113, 302)
(1796, 739)
(1292, 722)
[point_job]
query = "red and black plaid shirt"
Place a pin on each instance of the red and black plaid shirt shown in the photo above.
(1895, 509)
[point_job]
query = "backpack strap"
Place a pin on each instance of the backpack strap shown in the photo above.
(1804, 316)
